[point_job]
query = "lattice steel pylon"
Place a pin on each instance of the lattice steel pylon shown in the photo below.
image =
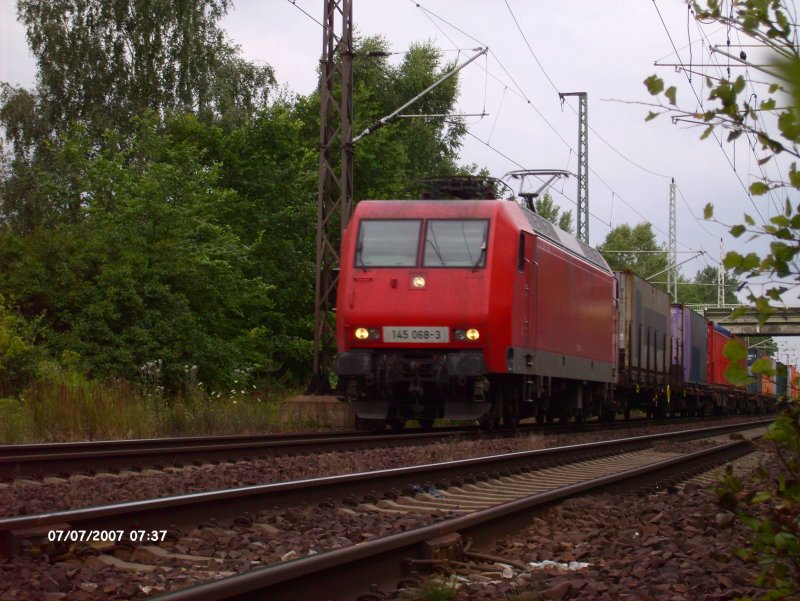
(672, 251)
(335, 186)
(582, 217)
(721, 275)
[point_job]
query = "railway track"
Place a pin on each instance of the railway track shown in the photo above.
(478, 497)
(37, 461)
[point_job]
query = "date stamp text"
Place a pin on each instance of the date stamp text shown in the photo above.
(79, 536)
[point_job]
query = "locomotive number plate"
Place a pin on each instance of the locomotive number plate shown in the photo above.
(415, 335)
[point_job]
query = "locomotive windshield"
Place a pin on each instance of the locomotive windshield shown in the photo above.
(456, 243)
(388, 243)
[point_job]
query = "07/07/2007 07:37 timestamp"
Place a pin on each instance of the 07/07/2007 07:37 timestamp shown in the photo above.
(134, 536)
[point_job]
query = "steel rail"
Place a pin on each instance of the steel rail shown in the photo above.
(27, 461)
(345, 573)
(189, 510)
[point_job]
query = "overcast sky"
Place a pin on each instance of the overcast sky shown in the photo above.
(604, 48)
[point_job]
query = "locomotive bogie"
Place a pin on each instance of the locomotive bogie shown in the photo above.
(401, 384)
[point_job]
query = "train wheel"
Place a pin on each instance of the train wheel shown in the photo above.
(488, 423)
(374, 425)
(510, 418)
(397, 425)
(627, 414)
(426, 423)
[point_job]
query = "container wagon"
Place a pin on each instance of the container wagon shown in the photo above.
(644, 345)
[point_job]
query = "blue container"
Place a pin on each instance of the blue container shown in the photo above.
(753, 387)
(781, 380)
(689, 331)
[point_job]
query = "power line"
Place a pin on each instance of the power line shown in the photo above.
(541, 67)
(700, 103)
(518, 164)
(309, 15)
(541, 115)
(688, 208)
(714, 58)
(530, 48)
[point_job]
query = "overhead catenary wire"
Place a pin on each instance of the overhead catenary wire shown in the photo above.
(521, 94)
(700, 103)
(517, 90)
(541, 115)
(555, 87)
(521, 166)
(748, 79)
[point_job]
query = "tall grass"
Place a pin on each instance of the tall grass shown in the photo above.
(68, 406)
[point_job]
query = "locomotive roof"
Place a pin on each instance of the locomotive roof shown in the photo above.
(538, 224)
(546, 229)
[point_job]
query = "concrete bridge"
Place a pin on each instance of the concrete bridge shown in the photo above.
(785, 321)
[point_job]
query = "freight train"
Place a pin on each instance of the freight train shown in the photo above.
(483, 310)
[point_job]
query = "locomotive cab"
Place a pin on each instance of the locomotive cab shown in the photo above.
(412, 311)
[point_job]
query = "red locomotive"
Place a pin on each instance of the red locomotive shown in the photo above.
(472, 309)
(483, 310)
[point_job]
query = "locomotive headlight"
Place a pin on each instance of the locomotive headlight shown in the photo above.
(418, 281)
(371, 333)
(462, 335)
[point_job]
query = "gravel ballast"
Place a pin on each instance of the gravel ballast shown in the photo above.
(55, 494)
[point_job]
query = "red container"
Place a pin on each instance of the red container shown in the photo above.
(718, 337)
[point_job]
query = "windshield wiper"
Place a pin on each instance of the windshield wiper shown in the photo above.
(436, 250)
(480, 256)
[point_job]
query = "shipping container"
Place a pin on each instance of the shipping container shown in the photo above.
(756, 386)
(718, 337)
(781, 380)
(689, 332)
(768, 381)
(644, 335)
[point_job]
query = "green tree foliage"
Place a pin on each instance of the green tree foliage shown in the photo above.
(17, 353)
(103, 63)
(548, 209)
(389, 160)
(163, 211)
(635, 248)
(702, 290)
(150, 272)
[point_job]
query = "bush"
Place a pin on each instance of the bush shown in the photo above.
(770, 507)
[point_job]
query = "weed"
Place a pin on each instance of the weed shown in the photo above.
(63, 405)
(435, 589)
